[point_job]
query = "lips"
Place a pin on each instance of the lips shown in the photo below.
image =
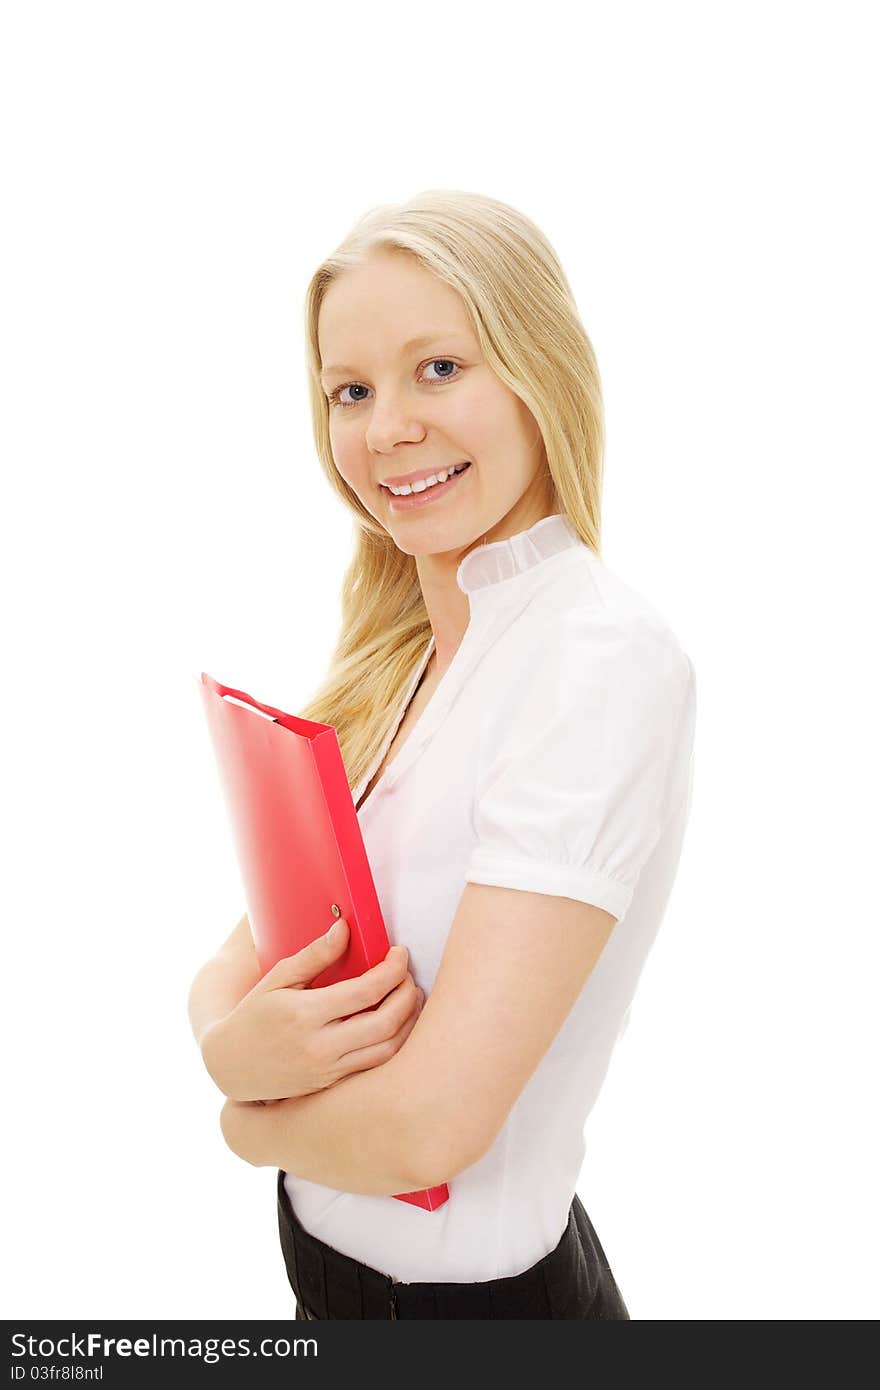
(415, 479)
(427, 496)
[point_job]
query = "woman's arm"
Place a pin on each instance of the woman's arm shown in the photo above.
(513, 966)
(223, 981)
(357, 1136)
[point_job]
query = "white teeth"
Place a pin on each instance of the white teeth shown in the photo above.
(424, 483)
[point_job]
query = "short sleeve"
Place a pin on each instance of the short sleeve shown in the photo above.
(587, 761)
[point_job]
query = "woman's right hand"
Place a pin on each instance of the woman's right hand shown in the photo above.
(285, 1040)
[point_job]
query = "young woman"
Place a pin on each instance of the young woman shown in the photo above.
(517, 724)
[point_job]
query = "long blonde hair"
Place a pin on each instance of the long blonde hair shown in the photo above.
(527, 323)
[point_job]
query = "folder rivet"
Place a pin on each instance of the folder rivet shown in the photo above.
(337, 911)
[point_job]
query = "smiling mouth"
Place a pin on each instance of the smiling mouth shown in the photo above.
(425, 494)
(425, 484)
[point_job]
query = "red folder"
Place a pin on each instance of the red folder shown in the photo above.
(298, 840)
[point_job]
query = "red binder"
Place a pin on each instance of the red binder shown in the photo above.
(298, 840)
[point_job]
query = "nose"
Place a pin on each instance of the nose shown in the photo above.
(391, 422)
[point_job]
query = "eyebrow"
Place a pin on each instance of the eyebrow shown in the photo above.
(424, 340)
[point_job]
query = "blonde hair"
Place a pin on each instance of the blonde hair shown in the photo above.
(527, 323)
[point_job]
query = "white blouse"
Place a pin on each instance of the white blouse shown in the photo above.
(555, 756)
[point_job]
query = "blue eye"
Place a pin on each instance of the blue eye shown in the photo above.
(334, 397)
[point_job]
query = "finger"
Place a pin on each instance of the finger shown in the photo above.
(363, 993)
(298, 970)
(351, 996)
(365, 1057)
(377, 1025)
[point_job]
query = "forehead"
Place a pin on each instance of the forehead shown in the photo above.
(386, 307)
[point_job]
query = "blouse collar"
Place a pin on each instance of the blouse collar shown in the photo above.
(500, 560)
(481, 576)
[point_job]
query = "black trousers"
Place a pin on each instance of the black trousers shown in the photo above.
(573, 1281)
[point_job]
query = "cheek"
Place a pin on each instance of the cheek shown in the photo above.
(491, 419)
(478, 426)
(354, 470)
(349, 460)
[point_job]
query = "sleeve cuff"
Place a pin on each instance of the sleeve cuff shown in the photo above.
(559, 880)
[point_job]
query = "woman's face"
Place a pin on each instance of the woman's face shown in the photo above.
(398, 408)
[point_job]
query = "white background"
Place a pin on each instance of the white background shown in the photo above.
(172, 174)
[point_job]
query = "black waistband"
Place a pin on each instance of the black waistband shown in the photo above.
(567, 1282)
